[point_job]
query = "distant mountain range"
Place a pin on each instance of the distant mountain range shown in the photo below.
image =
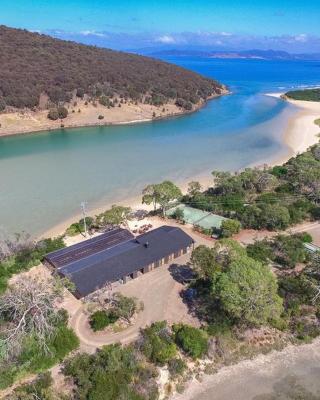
(245, 54)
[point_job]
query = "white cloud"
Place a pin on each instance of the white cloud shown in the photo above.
(166, 39)
(302, 38)
(92, 33)
(299, 43)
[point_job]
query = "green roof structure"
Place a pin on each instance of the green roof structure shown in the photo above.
(194, 216)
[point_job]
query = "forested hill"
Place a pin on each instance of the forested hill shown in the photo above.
(32, 64)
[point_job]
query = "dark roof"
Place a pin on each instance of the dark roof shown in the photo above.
(89, 247)
(115, 262)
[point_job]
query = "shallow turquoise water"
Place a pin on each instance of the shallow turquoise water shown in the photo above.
(45, 176)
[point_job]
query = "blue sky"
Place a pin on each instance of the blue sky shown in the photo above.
(219, 24)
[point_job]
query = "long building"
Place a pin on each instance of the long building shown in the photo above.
(117, 256)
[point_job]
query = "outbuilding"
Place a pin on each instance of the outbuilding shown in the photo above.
(117, 256)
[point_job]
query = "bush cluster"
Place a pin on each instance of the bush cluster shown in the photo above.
(101, 319)
(272, 198)
(26, 256)
(32, 64)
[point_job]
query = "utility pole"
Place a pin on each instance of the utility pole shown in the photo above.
(83, 208)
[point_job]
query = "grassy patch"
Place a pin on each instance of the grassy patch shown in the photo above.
(34, 360)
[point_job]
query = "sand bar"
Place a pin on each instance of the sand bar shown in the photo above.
(301, 132)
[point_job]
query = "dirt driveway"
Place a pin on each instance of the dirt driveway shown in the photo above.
(248, 236)
(160, 293)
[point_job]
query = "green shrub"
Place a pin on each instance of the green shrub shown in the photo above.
(315, 213)
(64, 341)
(7, 376)
(53, 114)
(78, 227)
(37, 389)
(180, 102)
(261, 251)
(158, 345)
(34, 359)
(279, 171)
(101, 319)
(193, 341)
(80, 93)
(188, 106)
(112, 373)
(125, 307)
(230, 227)
(58, 113)
(178, 214)
(305, 237)
(62, 112)
(26, 258)
(221, 325)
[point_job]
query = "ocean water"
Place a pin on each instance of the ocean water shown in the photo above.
(45, 176)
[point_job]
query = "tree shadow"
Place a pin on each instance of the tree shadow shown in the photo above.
(182, 273)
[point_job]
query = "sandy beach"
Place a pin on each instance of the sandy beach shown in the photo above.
(301, 132)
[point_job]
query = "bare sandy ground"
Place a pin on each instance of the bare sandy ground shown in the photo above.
(301, 132)
(26, 121)
(84, 114)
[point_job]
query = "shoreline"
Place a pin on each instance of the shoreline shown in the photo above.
(301, 131)
(134, 112)
(134, 202)
(265, 369)
(301, 121)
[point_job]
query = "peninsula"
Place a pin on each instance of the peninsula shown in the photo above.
(48, 83)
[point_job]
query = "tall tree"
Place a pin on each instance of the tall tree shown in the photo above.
(203, 261)
(116, 215)
(162, 193)
(247, 291)
(194, 188)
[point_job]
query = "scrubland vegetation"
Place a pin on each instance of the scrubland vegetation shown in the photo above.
(19, 253)
(33, 333)
(304, 95)
(33, 64)
(270, 198)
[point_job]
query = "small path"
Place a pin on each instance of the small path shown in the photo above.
(248, 236)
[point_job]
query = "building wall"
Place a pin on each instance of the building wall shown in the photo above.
(157, 264)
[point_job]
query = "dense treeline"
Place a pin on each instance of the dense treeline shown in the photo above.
(270, 198)
(304, 95)
(32, 64)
